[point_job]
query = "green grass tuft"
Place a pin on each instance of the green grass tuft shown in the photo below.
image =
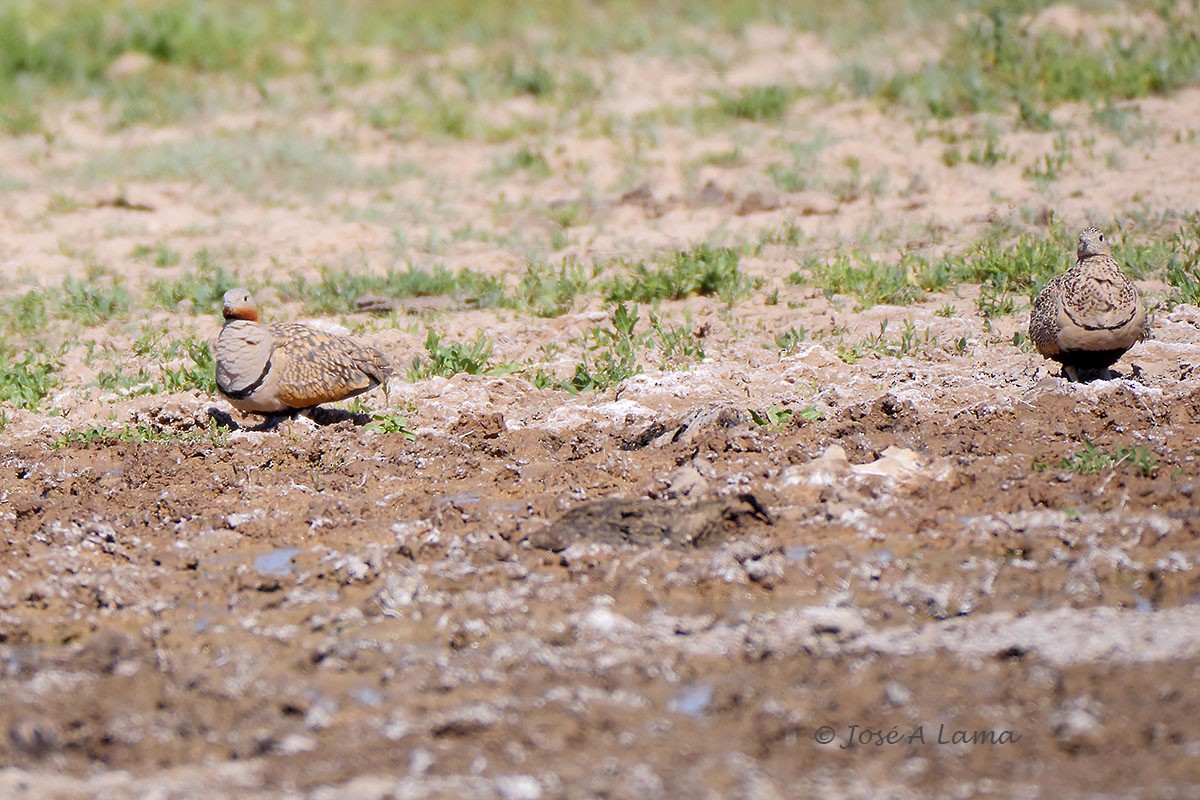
(24, 383)
(203, 288)
(995, 63)
(703, 270)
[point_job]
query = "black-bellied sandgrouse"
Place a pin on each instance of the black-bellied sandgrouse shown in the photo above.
(284, 367)
(1089, 316)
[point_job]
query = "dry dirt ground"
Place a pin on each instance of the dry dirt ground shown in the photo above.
(633, 593)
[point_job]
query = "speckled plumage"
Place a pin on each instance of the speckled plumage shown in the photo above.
(1089, 316)
(284, 367)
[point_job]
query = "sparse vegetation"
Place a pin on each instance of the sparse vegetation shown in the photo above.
(101, 434)
(338, 290)
(1092, 460)
(450, 359)
(871, 281)
(703, 270)
(757, 103)
(909, 342)
(202, 288)
(547, 292)
(996, 62)
(390, 423)
(95, 300)
(24, 383)
(612, 353)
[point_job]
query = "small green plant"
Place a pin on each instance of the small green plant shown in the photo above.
(161, 254)
(188, 364)
(338, 290)
(568, 215)
(95, 301)
(1186, 280)
(450, 359)
(989, 153)
(993, 302)
(757, 103)
(547, 292)
(26, 312)
(811, 414)
(871, 281)
(202, 287)
(611, 356)
(1139, 457)
(1092, 460)
(787, 342)
(675, 345)
(789, 234)
(878, 345)
(775, 416)
(525, 159)
(100, 433)
(126, 384)
(24, 383)
(1046, 169)
(703, 270)
(390, 423)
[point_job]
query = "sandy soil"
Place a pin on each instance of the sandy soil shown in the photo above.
(635, 593)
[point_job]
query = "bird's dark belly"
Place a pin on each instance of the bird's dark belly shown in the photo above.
(1089, 359)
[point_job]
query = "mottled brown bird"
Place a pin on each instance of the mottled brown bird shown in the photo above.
(1089, 316)
(286, 367)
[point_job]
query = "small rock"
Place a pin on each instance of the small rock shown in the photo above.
(518, 787)
(711, 195)
(235, 521)
(374, 304)
(692, 701)
(419, 761)
(1077, 726)
(36, 736)
(897, 694)
(686, 482)
(295, 743)
(755, 202)
(805, 204)
(896, 462)
(766, 571)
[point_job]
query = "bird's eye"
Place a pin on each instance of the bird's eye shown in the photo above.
(1101, 237)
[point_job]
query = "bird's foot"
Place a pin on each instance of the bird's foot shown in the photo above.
(1080, 375)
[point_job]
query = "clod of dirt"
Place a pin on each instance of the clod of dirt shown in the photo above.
(806, 204)
(708, 426)
(486, 426)
(757, 202)
(374, 304)
(647, 522)
(896, 462)
(107, 650)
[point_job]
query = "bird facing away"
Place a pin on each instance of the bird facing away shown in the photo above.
(285, 367)
(1089, 316)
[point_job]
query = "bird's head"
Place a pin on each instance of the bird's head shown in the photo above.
(239, 304)
(1092, 243)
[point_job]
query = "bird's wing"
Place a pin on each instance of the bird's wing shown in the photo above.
(1043, 319)
(315, 367)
